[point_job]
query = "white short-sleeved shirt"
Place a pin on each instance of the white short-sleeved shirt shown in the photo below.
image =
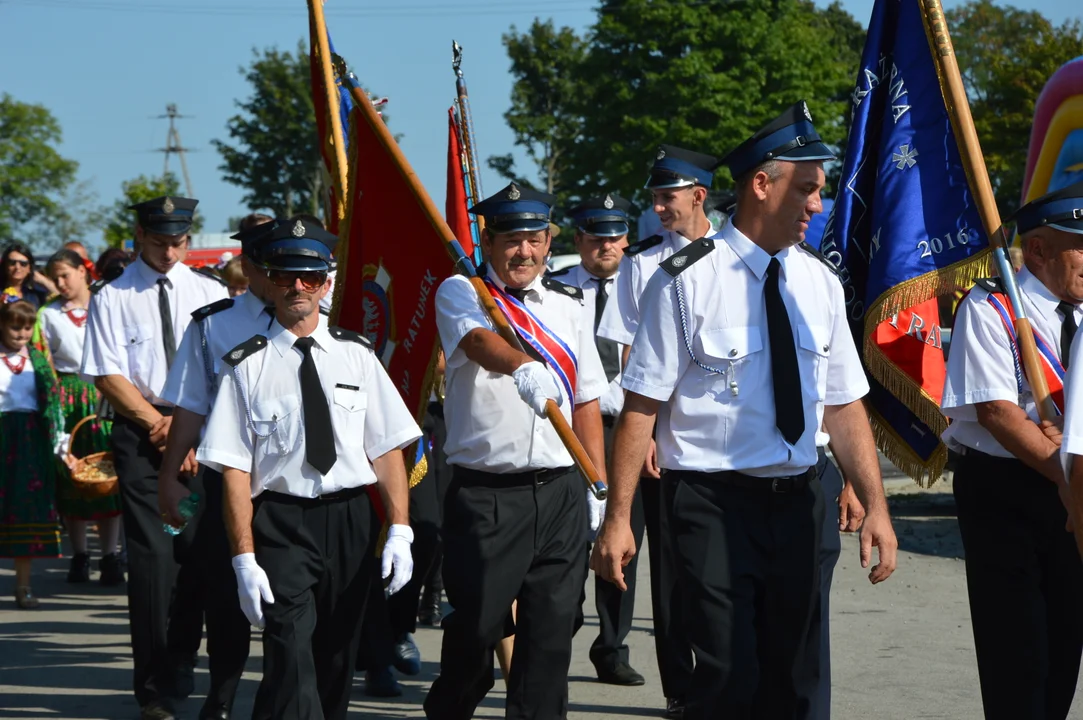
(981, 365)
(622, 311)
(489, 427)
(18, 391)
(1072, 441)
(702, 425)
(368, 415)
(64, 335)
(612, 400)
(124, 329)
(188, 384)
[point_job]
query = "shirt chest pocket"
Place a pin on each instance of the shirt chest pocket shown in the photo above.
(348, 406)
(814, 343)
(277, 424)
(730, 353)
(139, 341)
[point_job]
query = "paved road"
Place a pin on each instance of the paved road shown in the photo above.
(902, 650)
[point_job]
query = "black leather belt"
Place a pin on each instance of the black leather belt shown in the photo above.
(609, 420)
(782, 485)
(337, 496)
(479, 478)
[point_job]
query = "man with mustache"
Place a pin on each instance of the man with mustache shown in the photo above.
(515, 521)
(743, 352)
(679, 182)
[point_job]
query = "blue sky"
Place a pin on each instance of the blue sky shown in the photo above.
(106, 67)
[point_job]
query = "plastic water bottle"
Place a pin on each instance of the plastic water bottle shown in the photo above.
(187, 508)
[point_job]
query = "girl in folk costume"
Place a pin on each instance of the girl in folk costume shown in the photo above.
(60, 332)
(31, 432)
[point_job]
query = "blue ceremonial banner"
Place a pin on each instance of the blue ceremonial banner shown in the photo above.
(904, 231)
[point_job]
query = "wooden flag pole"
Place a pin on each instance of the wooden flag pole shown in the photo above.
(958, 105)
(337, 132)
(552, 410)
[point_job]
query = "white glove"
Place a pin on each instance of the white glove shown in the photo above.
(536, 385)
(252, 585)
(397, 556)
(595, 511)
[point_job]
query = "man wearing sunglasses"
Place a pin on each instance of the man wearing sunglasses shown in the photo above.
(132, 330)
(305, 420)
(191, 385)
(515, 522)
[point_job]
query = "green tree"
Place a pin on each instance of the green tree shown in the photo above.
(545, 110)
(119, 222)
(33, 174)
(1006, 56)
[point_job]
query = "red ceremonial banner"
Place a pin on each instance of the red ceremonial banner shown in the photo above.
(395, 259)
(455, 205)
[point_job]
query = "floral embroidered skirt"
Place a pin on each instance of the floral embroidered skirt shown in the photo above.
(29, 524)
(77, 400)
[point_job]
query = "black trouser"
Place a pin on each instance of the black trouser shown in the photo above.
(164, 609)
(318, 556)
(749, 566)
(228, 631)
(387, 619)
(508, 537)
(1025, 582)
(436, 428)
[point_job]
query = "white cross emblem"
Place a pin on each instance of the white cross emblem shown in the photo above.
(904, 159)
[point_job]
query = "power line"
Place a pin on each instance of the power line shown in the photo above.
(219, 10)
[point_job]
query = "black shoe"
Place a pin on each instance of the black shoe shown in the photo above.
(214, 711)
(381, 683)
(183, 680)
(407, 658)
(79, 572)
(674, 708)
(620, 673)
(156, 710)
(430, 613)
(112, 573)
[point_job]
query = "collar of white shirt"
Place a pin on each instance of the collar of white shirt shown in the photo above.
(282, 339)
(534, 284)
(1039, 294)
(755, 258)
(150, 275)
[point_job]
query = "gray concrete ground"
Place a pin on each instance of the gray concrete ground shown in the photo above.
(902, 650)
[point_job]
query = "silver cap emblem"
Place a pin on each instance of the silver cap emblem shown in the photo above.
(513, 193)
(298, 230)
(678, 262)
(608, 202)
(661, 153)
(804, 106)
(168, 206)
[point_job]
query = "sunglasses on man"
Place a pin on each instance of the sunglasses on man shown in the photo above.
(311, 280)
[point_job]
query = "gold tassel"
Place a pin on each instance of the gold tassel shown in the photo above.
(925, 473)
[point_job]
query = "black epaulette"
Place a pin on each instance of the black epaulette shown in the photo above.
(820, 256)
(250, 346)
(349, 335)
(207, 310)
(208, 273)
(557, 286)
(96, 286)
(559, 273)
(678, 262)
(636, 248)
(992, 285)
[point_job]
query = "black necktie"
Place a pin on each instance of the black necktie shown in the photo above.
(608, 350)
(789, 410)
(319, 435)
(517, 293)
(1067, 331)
(169, 340)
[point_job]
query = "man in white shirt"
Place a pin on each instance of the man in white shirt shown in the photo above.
(515, 519)
(133, 326)
(743, 352)
(1023, 573)
(305, 421)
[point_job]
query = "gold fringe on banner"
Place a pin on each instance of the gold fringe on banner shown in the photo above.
(957, 276)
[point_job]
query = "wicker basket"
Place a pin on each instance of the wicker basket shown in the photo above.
(95, 475)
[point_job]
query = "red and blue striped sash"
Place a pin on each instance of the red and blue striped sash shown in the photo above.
(557, 355)
(1051, 365)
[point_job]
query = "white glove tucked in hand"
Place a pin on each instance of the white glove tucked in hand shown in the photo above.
(536, 385)
(595, 511)
(397, 556)
(252, 585)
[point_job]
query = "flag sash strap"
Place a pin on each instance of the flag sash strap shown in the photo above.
(558, 356)
(1051, 366)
